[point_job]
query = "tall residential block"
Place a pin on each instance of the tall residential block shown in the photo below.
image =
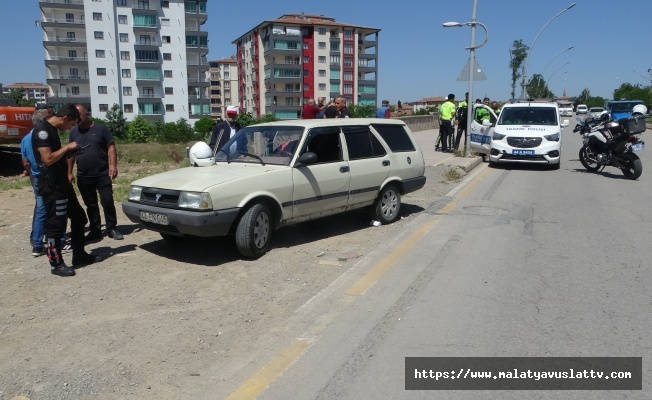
(224, 85)
(285, 61)
(147, 56)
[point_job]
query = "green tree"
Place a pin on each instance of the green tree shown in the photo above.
(517, 55)
(204, 126)
(17, 96)
(537, 88)
(364, 111)
(139, 130)
(116, 122)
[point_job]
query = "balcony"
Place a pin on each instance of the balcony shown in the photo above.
(63, 22)
(56, 60)
(153, 43)
(68, 79)
(61, 41)
(66, 4)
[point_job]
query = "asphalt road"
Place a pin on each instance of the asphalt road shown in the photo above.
(524, 262)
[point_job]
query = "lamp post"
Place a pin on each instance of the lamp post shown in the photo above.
(551, 75)
(527, 59)
(471, 48)
(551, 60)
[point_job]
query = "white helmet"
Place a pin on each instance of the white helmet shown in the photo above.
(639, 109)
(201, 155)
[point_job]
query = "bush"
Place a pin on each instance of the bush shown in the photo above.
(140, 130)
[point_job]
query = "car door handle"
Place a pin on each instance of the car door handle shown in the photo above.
(344, 168)
(385, 163)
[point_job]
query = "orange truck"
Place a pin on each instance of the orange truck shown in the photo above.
(15, 123)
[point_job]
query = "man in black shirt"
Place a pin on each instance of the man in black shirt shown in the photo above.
(97, 166)
(59, 197)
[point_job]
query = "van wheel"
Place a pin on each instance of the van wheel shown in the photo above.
(387, 206)
(254, 232)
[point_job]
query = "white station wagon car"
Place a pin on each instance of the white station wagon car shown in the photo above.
(281, 173)
(525, 132)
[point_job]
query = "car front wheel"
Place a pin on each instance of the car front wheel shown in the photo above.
(387, 205)
(254, 232)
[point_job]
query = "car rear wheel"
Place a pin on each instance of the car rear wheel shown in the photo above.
(254, 232)
(387, 206)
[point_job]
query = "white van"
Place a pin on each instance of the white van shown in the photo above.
(581, 109)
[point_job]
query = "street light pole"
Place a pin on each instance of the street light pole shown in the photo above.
(551, 60)
(527, 59)
(471, 48)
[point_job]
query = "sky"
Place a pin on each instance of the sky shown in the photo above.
(417, 57)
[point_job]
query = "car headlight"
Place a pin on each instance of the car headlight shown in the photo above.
(552, 138)
(135, 192)
(196, 200)
(498, 136)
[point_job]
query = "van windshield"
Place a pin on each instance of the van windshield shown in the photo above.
(528, 116)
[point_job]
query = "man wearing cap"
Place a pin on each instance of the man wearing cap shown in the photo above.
(383, 112)
(446, 122)
(225, 130)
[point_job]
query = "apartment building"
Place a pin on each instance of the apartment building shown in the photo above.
(36, 91)
(283, 62)
(224, 85)
(147, 56)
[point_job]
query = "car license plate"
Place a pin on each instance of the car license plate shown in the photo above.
(523, 152)
(160, 219)
(638, 147)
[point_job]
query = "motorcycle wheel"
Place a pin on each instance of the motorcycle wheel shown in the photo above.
(587, 160)
(633, 168)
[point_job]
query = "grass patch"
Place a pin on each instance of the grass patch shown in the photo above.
(14, 183)
(452, 175)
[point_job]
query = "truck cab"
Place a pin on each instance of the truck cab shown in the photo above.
(618, 109)
(15, 123)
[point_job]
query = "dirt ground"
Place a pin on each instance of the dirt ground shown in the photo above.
(161, 321)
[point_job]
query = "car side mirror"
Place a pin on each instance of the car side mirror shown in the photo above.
(307, 158)
(486, 122)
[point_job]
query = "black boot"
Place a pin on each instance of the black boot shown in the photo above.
(57, 266)
(80, 259)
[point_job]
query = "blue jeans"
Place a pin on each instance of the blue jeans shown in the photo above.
(38, 220)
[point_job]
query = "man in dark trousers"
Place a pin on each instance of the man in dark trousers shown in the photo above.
(447, 122)
(461, 114)
(59, 196)
(97, 166)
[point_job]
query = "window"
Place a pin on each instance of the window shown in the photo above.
(167, 56)
(99, 35)
(125, 55)
(335, 46)
(126, 73)
(167, 73)
(322, 72)
(169, 90)
(322, 45)
(122, 19)
(70, 17)
(306, 46)
(165, 21)
(348, 88)
(348, 75)
(169, 107)
(129, 108)
(322, 86)
(335, 59)
(395, 137)
(227, 85)
(148, 91)
(99, 53)
(124, 37)
(362, 143)
(101, 89)
(166, 39)
(348, 34)
(147, 56)
(335, 74)
(321, 59)
(126, 90)
(101, 71)
(348, 61)
(165, 4)
(122, 3)
(97, 16)
(321, 31)
(325, 142)
(74, 90)
(306, 60)
(348, 48)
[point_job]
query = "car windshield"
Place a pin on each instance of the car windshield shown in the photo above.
(624, 106)
(596, 109)
(528, 116)
(262, 144)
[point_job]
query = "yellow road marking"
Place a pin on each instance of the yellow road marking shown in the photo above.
(464, 192)
(255, 385)
(361, 286)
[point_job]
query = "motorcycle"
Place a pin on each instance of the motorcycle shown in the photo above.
(607, 142)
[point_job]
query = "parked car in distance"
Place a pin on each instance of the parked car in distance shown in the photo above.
(619, 109)
(282, 173)
(525, 132)
(565, 109)
(581, 109)
(595, 112)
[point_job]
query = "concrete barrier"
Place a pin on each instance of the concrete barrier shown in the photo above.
(420, 122)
